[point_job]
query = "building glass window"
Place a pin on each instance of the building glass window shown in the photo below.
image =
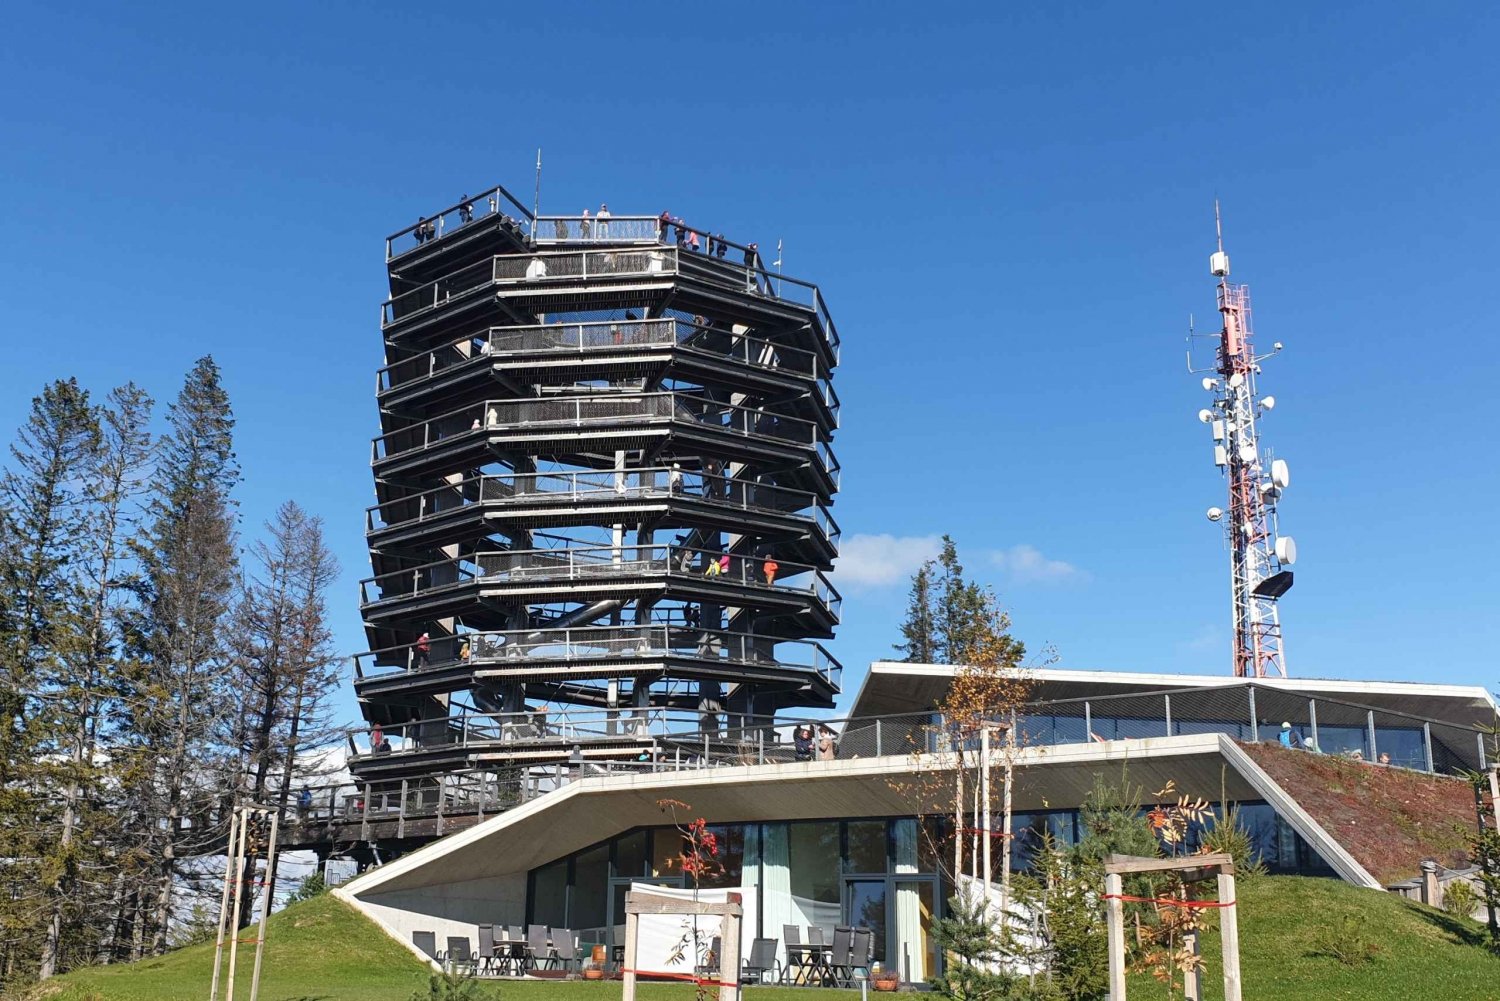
(867, 846)
(666, 851)
(730, 859)
(549, 894)
(630, 854)
(590, 882)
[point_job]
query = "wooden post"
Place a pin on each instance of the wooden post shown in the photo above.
(729, 963)
(269, 891)
(632, 930)
(1229, 933)
(230, 854)
(1192, 979)
(1114, 885)
(984, 795)
(1495, 793)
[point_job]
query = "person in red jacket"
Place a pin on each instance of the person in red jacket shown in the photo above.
(423, 650)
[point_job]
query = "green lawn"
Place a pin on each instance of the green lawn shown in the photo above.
(324, 950)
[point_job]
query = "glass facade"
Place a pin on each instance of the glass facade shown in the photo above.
(875, 873)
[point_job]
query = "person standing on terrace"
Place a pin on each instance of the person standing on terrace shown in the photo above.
(603, 220)
(423, 649)
(722, 247)
(584, 226)
(693, 241)
(466, 209)
(663, 224)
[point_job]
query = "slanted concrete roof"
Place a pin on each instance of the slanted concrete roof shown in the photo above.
(895, 687)
(594, 809)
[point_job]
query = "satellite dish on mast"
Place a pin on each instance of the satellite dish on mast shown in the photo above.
(1205, 415)
(1281, 474)
(1247, 453)
(1237, 380)
(1286, 550)
(1210, 383)
(1214, 513)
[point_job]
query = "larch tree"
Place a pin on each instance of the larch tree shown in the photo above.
(179, 692)
(285, 666)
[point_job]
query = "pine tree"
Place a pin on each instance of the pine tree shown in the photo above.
(918, 629)
(188, 563)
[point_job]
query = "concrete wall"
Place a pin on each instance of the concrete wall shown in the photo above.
(449, 908)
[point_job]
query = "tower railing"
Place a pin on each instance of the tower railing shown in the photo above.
(547, 568)
(603, 337)
(487, 203)
(544, 267)
(522, 647)
(657, 482)
(592, 229)
(599, 408)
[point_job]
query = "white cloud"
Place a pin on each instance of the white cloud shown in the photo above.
(1207, 638)
(1026, 565)
(879, 560)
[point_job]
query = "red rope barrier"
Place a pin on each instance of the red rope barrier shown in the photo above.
(690, 978)
(1170, 901)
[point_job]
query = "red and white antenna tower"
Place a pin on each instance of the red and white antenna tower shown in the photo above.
(1260, 557)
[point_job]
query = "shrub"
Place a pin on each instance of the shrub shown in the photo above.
(310, 887)
(1229, 837)
(1460, 898)
(1345, 940)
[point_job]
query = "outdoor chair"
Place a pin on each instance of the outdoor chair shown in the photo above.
(860, 953)
(710, 965)
(458, 958)
(513, 951)
(762, 961)
(843, 947)
(796, 955)
(536, 944)
(565, 949)
(817, 955)
(486, 958)
(426, 941)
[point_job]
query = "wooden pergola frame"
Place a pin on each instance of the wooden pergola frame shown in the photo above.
(1194, 869)
(638, 902)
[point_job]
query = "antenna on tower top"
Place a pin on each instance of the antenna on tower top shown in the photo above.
(1218, 226)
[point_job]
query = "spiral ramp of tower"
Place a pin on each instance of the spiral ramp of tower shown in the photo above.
(602, 492)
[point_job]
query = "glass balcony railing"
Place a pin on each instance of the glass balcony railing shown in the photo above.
(604, 337)
(603, 488)
(582, 644)
(549, 568)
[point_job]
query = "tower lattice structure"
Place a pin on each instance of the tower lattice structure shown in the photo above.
(1260, 557)
(602, 488)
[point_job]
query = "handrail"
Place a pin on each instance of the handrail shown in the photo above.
(650, 482)
(538, 266)
(541, 644)
(602, 335)
(466, 210)
(588, 408)
(593, 562)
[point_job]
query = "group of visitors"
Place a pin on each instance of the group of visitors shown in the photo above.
(597, 226)
(720, 566)
(1305, 742)
(806, 747)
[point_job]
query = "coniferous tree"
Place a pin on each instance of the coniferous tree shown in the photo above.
(44, 531)
(918, 630)
(112, 474)
(178, 691)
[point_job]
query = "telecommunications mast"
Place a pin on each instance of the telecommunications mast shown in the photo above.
(1260, 557)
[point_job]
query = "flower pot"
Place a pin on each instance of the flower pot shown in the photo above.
(888, 984)
(593, 973)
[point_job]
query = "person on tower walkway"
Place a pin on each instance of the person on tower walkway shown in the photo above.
(423, 648)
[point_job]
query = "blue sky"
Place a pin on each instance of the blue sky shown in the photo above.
(1009, 211)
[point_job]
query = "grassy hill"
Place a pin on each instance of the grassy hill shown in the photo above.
(323, 949)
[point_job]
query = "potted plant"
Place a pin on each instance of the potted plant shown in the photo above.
(884, 980)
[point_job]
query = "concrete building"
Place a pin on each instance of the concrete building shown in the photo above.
(853, 840)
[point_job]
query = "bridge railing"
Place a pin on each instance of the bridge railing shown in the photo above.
(712, 738)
